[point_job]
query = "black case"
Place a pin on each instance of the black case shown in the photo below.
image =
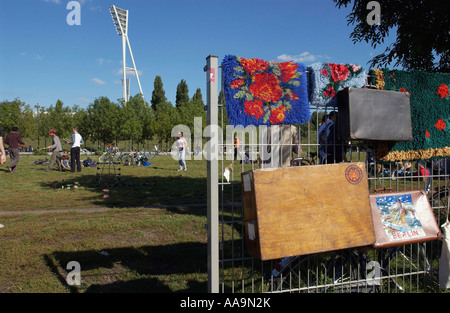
(370, 114)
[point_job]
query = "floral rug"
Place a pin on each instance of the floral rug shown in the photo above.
(258, 92)
(326, 79)
(430, 114)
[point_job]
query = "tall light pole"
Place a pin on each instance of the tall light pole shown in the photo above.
(120, 19)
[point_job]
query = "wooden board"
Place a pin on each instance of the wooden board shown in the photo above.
(402, 218)
(306, 209)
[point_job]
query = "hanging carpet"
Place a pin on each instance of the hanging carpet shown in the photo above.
(326, 79)
(259, 92)
(430, 114)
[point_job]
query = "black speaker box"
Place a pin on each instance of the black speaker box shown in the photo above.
(371, 114)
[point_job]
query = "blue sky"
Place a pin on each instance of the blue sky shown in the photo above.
(43, 59)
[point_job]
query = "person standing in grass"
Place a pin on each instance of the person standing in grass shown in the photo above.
(236, 146)
(2, 150)
(76, 142)
(56, 151)
(13, 140)
(181, 146)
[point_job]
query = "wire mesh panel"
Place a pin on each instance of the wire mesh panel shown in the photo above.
(404, 268)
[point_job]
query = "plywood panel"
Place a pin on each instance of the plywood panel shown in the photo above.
(306, 209)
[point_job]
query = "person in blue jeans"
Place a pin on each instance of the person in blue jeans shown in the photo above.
(181, 146)
(65, 161)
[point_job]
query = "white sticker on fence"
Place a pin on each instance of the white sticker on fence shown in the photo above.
(251, 231)
(247, 185)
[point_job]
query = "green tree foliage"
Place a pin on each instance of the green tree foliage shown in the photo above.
(136, 120)
(104, 121)
(58, 118)
(130, 123)
(194, 108)
(166, 117)
(29, 123)
(422, 27)
(158, 94)
(182, 95)
(145, 115)
(11, 112)
(79, 118)
(163, 116)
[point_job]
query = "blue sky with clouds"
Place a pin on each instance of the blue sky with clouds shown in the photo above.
(43, 59)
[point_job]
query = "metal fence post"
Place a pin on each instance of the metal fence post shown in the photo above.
(212, 173)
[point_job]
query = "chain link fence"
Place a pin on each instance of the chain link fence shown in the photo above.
(399, 269)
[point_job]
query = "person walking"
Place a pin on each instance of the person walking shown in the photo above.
(323, 132)
(181, 146)
(236, 146)
(76, 142)
(2, 150)
(56, 151)
(335, 144)
(13, 140)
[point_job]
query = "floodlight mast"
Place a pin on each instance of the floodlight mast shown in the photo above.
(120, 19)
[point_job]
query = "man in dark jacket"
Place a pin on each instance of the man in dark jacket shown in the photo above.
(335, 144)
(2, 148)
(13, 140)
(2, 151)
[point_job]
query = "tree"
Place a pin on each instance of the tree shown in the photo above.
(194, 108)
(137, 120)
(130, 124)
(146, 114)
(104, 122)
(29, 122)
(80, 118)
(423, 37)
(17, 113)
(58, 118)
(166, 117)
(11, 115)
(182, 96)
(158, 94)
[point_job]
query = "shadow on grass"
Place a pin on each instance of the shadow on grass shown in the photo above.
(121, 269)
(133, 191)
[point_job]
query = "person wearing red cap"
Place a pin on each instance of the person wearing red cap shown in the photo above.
(56, 151)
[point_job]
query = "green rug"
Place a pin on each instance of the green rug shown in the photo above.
(430, 114)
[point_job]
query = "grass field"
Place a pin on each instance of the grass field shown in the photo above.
(148, 236)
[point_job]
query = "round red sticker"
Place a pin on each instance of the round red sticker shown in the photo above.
(353, 174)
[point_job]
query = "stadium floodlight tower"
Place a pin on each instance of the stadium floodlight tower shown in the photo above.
(120, 19)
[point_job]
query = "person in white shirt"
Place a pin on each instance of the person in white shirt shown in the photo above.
(181, 146)
(76, 142)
